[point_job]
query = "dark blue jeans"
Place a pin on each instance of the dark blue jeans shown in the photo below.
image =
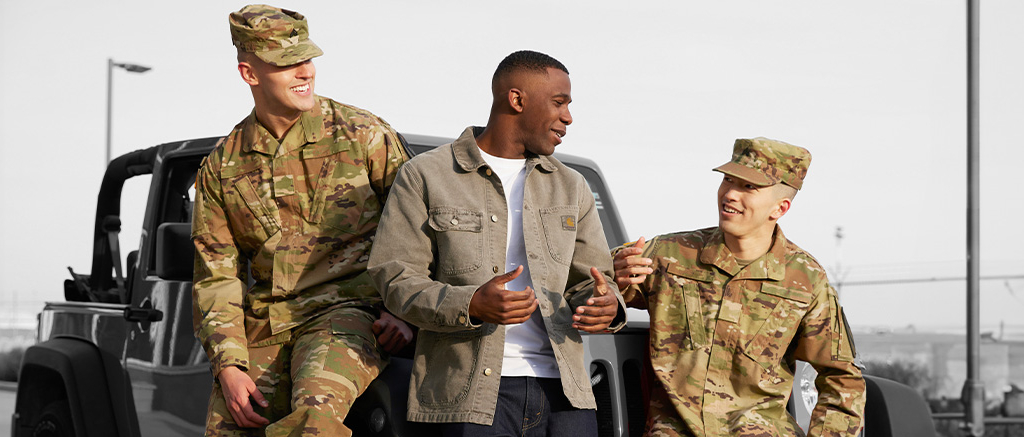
(529, 407)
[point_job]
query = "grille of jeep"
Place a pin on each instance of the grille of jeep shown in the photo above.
(632, 381)
(603, 397)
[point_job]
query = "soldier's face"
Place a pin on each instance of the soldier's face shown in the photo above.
(748, 211)
(284, 91)
(545, 111)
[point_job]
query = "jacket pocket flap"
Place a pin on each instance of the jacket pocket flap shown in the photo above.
(786, 293)
(454, 219)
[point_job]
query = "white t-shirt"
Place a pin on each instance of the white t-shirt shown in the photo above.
(528, 350)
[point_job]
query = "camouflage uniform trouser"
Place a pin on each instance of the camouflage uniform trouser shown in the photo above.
(310, 378)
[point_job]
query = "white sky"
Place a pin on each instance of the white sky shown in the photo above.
(875, 89)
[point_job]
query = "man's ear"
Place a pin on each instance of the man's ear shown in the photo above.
(515, 99)
(781, 208)
(248, 74)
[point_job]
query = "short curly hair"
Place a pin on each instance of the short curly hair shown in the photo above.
(526, 60)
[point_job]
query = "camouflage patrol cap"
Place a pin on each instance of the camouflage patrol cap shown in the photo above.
(277, 36)
(763, 162)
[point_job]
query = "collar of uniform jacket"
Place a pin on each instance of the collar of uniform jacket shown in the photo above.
(467, 153)
(771, 265)
(256, 137)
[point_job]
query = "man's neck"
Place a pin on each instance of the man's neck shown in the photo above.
(750, 247)
(276, 124)
(497, 141)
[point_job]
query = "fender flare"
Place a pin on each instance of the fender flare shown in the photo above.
(96, 386)
(893, 409)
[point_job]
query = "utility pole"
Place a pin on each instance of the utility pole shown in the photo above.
(973, 394)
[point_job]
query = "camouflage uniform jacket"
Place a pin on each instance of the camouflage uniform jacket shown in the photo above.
(724, 340)
(443, 234)
(302, 213)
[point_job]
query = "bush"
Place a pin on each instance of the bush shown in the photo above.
(10, 363)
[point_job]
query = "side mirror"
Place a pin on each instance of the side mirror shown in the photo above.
(175, 252)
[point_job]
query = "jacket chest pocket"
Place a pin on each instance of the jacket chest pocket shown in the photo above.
(559, 224)
(252, 216)
(775, 317)
(460, 239)
(342, 196)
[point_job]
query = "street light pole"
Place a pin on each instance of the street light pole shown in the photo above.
(132, 68)
(973, 394)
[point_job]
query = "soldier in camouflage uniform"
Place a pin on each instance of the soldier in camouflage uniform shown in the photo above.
(294, 192)
(733, 307)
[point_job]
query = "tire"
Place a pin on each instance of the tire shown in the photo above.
(54, 421)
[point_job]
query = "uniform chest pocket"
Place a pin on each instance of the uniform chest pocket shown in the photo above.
(687, 304)
(671, 329)
(343, 199)
(254, 211)
(460, 239)
(559, 224)
(785, 309)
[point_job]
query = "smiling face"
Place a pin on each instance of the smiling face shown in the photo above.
(544, 117)
(747, 211)
(283, 92)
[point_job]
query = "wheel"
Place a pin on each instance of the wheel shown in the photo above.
(54, 421)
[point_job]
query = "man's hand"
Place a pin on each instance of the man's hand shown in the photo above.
(494, 304)
(600, 309)
(392, 332)
(237, 388)
(630, 268)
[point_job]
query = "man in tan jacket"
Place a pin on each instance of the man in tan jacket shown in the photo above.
(487, 245)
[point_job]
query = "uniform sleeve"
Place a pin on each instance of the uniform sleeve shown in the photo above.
(217, 291)
(635, 295)
(403, 257)
(824, 341)
(591, 250)
(385, 155)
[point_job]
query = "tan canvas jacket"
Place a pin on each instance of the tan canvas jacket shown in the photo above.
(443, 234)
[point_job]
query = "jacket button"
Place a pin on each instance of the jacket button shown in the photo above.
(462, 319)
(494, 218)
(488, 171)
(495, 269)
(455, 221)
(487, 371)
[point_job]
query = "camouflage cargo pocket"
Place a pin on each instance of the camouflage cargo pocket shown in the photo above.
(345, 346)
(354, 328)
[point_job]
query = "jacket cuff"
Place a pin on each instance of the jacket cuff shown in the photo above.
(619, 321)
(454, 311)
